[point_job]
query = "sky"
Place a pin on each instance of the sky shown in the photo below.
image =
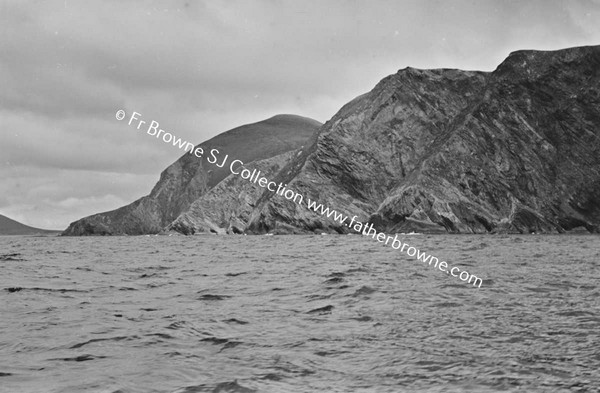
(200, 68)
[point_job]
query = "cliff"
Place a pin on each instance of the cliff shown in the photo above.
(514, 150)
(441, 150)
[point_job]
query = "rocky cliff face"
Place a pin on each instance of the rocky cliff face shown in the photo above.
(524, 157)
(513, 150)
(227, 208)
(190, 177)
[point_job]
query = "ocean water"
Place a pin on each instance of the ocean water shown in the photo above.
(298, 314)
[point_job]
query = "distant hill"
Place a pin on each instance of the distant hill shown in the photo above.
(12, 227)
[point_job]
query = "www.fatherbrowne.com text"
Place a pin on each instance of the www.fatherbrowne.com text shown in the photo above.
(367, 230)
(236, 167)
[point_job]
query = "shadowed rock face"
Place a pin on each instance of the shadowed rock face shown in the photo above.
(227, 207)
(514, 150)
(191, 177)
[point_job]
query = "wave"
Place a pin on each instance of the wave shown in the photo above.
(61, 290)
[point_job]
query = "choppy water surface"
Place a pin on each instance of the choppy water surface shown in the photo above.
(298, 314)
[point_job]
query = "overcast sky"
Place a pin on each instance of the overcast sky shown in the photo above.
(202, 67)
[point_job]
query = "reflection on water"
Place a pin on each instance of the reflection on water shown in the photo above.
(298, 314)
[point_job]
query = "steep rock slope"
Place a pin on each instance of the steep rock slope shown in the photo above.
(369, 148)
(515, 150)
(227, 207)
(191, 177)
(524, 158)
(354, 163)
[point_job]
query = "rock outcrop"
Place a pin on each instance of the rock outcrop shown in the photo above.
(191, 177)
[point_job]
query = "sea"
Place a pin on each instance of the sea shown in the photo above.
(337, 313)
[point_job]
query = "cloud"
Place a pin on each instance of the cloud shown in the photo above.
(52, 198)
(78, 144)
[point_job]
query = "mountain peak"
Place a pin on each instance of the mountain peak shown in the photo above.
(291, 117)
(532, 63)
